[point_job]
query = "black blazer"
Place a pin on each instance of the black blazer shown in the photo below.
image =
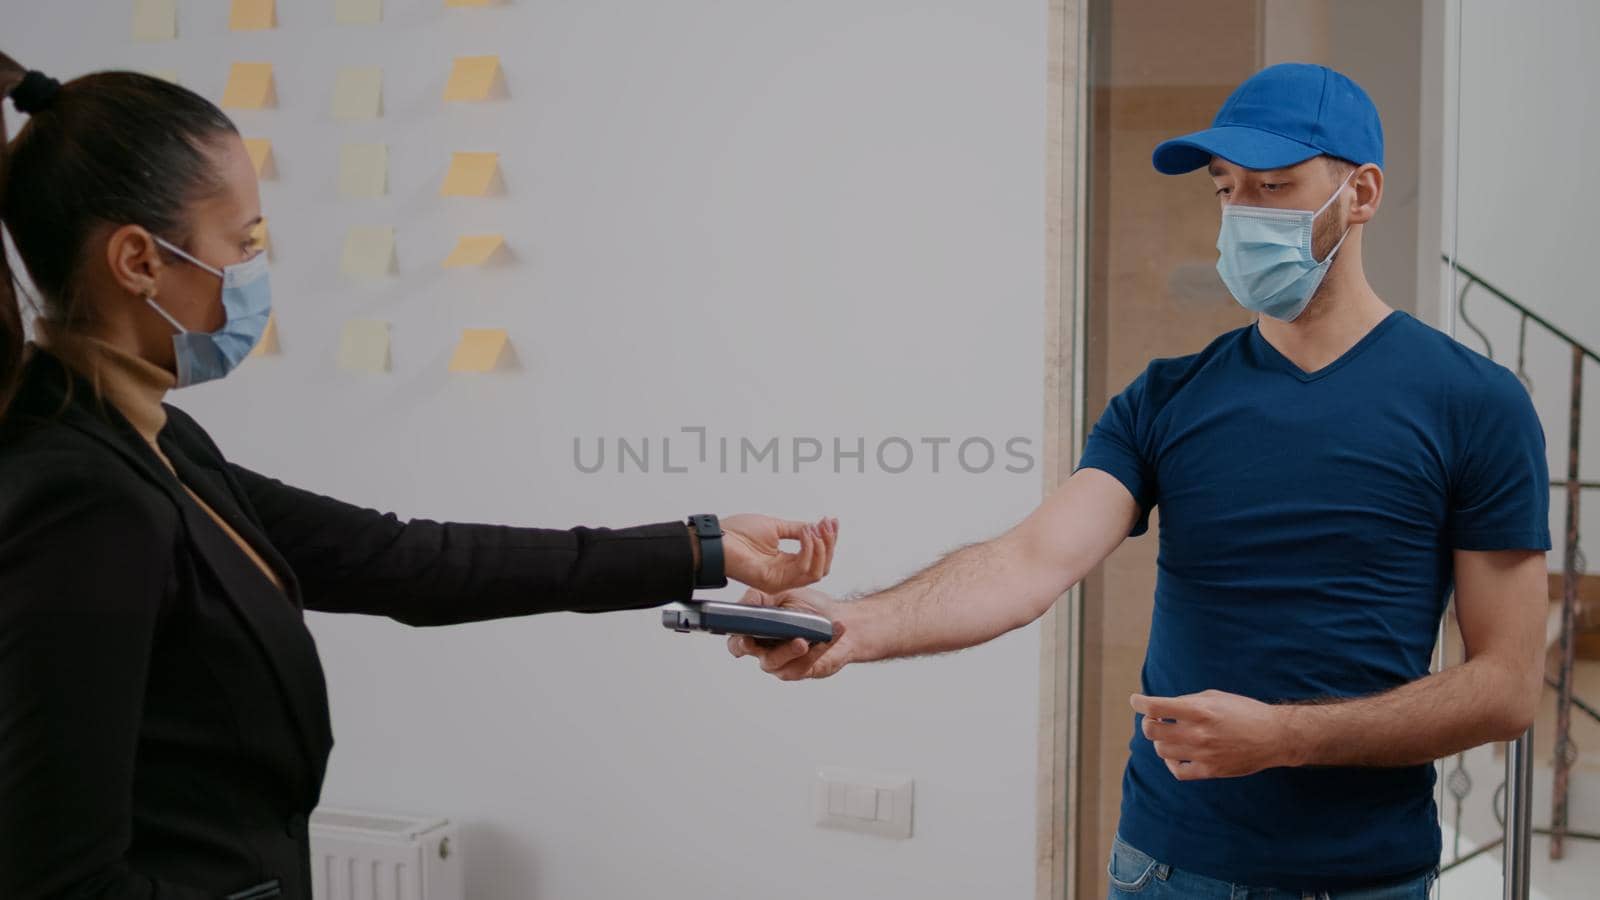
(163, 718)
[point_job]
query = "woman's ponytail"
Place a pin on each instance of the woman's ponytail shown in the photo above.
(11, 336)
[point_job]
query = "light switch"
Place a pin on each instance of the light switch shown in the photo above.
(863, 803)
(867, 802)
(836, 794)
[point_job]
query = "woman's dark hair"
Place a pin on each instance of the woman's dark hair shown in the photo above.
(111, 148)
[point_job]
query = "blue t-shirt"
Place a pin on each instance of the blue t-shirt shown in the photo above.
(1307, 524)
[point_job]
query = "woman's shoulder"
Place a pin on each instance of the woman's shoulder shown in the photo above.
(53, 450)
(47, 442)
(50, 464)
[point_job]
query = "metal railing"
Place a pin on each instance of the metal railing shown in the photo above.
(1518, 784)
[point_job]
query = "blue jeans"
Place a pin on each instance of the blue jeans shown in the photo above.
(1135, 874)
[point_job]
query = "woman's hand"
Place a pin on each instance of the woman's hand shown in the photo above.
(751, 554)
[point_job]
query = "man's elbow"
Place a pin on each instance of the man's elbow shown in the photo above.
(1039, 574)
(1520, 704)
(1511, 724)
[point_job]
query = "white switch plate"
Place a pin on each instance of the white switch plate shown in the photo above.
(867, 802)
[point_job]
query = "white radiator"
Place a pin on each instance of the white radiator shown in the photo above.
(377, 856)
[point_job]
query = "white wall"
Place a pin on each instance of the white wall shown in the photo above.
(764, 218)
(1526, 202)
(1528, 196)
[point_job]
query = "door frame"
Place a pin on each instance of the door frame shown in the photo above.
(1060, 706)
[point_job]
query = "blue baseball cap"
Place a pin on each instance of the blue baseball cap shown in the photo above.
(1283, 115)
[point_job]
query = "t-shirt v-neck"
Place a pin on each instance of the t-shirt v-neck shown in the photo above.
(1273, 356)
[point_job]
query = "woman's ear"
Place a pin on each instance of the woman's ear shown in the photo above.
(1368, 184)
(134, 258)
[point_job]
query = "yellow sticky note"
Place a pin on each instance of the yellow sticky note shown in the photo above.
(479, 350)
(368, 251)
(470, 175)
(253, 15)
(262, 238)
(268, 345)
(358, 12)
(155, 20)
(260, 150)
(464, 3)
(250, 87)
(358, 93)
(364, 346)
(474, 250)
(472, 78)
(363, 170)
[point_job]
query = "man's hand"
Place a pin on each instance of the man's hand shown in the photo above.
(1214, 734)
(797, 659)
(752, 556)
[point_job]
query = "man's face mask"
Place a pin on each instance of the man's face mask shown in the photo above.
(247, 300)
(1265, 257)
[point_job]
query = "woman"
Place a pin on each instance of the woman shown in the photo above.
(163, 717)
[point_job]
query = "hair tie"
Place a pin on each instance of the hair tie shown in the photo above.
(36, 91)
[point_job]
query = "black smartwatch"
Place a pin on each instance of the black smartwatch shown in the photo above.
(709, 532)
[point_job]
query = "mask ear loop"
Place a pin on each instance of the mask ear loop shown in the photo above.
(151, 300)
(1329, 202)
(1320, 210)
(151, 297)
(217, 272)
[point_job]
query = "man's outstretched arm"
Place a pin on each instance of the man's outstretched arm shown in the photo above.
(972, 595)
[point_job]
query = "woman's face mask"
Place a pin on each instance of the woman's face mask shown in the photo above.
(247, 300)
(1265, 257)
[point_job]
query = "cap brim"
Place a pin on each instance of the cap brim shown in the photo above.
(1238, 144)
